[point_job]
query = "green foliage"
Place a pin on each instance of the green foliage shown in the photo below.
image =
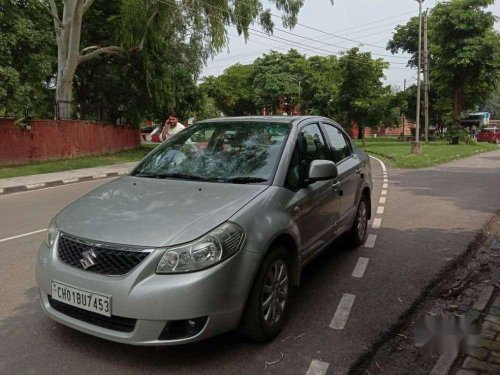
(492, 105)
(464, 54)
(274, 78)
(232, 91)
(363, 99)
(27, 59)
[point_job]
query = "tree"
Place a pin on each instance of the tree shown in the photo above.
(492, 105)
(196, 28)
(320, 79)
(464, 53)
(362, 98)
(274, 78)
(26, 58)
(232, 91)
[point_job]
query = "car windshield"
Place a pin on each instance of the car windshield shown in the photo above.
(236, 152)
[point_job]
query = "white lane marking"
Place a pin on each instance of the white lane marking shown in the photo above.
(100, 175)
(22, 235)
(1, 191)
(377, 222)
(384, 192)
(343, 310)
(382, 200)
(385, 186)
(384, 169)
(380, 210)
(317, 368)
(360, 268)
(370, 241)
(386, 180)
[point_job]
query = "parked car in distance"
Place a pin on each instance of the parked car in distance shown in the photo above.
(151, 133)
(209, 232)
(489, 135)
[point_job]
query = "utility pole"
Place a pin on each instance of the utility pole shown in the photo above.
(403, 115)
(416, 147)
(426, 79)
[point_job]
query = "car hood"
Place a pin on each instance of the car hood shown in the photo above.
(151, 212)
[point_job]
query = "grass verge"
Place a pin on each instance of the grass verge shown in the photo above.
(76, 163)
(434, 153)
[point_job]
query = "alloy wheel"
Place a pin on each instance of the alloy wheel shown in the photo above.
(362, 220)
(275, 292)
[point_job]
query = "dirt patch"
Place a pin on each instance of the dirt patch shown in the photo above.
(452, 293)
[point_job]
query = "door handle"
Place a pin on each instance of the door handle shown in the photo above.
(335, 188)
(296, 211)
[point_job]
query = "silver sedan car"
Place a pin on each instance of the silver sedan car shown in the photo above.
(208, 233)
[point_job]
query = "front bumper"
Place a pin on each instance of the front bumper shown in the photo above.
(218, 293)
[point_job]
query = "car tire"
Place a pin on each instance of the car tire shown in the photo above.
(267, 305)
(359, 230)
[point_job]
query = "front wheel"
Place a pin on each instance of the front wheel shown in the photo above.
(268, 301)
(359, 230)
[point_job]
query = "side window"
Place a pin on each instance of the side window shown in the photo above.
(310, 146)
(338, 143)
(293, 175)
(313, 147)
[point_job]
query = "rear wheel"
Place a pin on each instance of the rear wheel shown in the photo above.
(267, 304)
(359, 230)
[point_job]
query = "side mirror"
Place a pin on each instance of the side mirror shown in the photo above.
(321, 170)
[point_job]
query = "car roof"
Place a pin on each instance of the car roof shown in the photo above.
(276, 119)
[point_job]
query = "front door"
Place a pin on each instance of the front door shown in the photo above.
(349, 167)
(315, 207)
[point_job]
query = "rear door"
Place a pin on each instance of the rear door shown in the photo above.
(316, 207)
(349, 167)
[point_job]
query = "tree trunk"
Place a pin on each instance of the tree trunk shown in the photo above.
(457, 113)
(457, 106)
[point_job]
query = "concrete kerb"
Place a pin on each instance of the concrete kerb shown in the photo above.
(54, 183)
(364, 359)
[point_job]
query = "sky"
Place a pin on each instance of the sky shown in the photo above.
(361, 21)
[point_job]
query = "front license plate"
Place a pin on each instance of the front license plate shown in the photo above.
(84, 299)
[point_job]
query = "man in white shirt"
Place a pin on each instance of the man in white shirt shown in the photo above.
(172, 126)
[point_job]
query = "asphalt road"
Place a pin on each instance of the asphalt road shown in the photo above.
(428, 218)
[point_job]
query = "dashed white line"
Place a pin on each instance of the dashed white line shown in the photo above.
(382, 200)
(317, 368)
(380, 210)
(370, 241)
(384, 192)
(360, 268)
(385, 186)
(386, 180)
(343, 310)
(377, 222)
(22, 235)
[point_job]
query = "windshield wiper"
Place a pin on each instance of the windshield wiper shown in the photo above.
(186, 176)
(244, 180)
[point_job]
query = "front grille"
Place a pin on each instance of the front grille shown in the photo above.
(115, 323)
(108, 259)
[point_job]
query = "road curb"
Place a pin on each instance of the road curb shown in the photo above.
(54, 183)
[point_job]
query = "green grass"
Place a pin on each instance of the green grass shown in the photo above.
(434, 153)
(76, 163)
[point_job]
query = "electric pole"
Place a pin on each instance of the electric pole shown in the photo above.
(416, 147)
(404, 114)
(426, 80)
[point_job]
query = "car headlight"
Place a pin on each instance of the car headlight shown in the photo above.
(215, 247)
(52, 232)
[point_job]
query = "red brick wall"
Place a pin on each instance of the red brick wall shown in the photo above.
(50, 139)
(384, 131)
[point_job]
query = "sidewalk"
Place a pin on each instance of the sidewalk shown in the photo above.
(40, 181)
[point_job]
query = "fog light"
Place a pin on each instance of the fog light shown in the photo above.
(181, 329)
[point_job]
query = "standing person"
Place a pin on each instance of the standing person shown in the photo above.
(172, 126)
